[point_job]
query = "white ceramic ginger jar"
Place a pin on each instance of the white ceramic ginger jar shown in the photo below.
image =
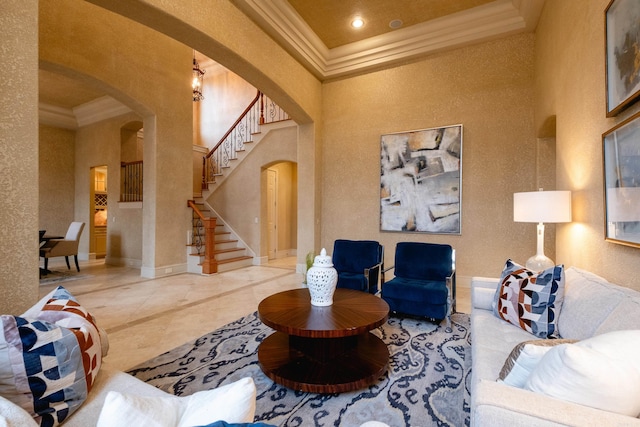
(321, 280)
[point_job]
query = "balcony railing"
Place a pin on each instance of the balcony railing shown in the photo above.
(131, 174)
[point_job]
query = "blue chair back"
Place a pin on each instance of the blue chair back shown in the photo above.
(423, 261)
(356, 255)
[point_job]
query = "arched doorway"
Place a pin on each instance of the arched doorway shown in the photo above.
(279, 206)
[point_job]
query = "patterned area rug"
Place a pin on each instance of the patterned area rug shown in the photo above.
(427, 383)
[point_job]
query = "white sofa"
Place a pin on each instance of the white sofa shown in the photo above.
(591, 307)
(108, 379)
(234, 402)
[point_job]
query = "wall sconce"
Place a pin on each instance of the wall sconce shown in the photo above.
(196, 82)
(541, 206)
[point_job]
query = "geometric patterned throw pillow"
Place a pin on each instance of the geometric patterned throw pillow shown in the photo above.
(530, 300)
(49, 357)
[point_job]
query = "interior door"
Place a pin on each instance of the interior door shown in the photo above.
(272, 212)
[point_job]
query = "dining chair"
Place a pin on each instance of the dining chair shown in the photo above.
(63, 247)
(425, 281)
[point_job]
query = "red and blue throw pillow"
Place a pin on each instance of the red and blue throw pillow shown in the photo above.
(530, 300)
(49, 357)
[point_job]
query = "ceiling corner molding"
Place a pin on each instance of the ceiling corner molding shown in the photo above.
(99, 109)
(482, 23)
(284, 25)
(52, 115)
(530, 11)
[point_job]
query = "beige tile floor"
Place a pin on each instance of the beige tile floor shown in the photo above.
(146, 317)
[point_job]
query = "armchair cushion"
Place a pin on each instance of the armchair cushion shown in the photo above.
(426, 298)
(355, 255)
(415, 260)
(421, 283)
(434, 291)
(352, 259)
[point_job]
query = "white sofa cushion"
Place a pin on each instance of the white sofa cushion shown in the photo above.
(602, 372)
(588, 301)
(11, 415)
(233, 403)
(524, 358)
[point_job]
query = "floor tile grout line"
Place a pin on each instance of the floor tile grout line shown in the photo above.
(155, 316)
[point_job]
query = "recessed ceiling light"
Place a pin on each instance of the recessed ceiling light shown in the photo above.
(357, 22)
(395, 24)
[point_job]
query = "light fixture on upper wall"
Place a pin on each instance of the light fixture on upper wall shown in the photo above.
(197, 78)
(541, 206)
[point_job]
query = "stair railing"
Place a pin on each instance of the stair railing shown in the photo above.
(242, 130)
(209, 264)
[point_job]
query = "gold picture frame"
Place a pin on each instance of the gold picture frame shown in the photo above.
(621, 159)
(622, 33)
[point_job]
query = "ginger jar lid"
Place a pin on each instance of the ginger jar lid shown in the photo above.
(323, 260)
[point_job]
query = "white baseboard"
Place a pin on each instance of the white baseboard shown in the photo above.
(164, 271)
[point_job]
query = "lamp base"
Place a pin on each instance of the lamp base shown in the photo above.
(539, 262)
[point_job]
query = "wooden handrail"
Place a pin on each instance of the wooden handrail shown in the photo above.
(248, 124)
(244, 113)
(192, 205)
(210, 264)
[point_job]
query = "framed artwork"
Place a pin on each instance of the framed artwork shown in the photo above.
(621, 155)
(421, 180)
(622, 36)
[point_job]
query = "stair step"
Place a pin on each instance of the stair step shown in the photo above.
(223, 241)
(226, 251)
(234, 263)
(230, 260)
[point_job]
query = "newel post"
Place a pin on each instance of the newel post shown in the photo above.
(209, 265)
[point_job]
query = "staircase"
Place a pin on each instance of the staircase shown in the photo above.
(236, 143)
(228, 251)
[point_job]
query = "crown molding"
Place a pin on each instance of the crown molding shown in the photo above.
(99, 109)
(52, 115)
(482, 23)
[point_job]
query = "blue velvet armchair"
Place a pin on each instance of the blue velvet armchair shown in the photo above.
(425, 281)
(358, 263)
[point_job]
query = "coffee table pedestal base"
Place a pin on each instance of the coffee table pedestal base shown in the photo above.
(323, 365)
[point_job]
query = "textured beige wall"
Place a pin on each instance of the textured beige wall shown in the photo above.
(19, 158)
(221, 32)
(99, 144)
(226, 97)
(146, 71)
(239, 198)
(570, 89)
(56, 183)
(287, 207)
(488, 88)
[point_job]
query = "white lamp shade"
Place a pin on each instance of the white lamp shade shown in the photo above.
(542, 206)
(623, 204)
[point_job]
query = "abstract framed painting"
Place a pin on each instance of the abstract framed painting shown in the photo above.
(421, 180)
(622, 56)
(621, 156)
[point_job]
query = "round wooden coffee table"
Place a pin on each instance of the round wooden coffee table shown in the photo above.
(323, 349)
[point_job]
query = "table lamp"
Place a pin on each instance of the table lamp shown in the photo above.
(541, 206)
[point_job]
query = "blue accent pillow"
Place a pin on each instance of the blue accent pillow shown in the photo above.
(530, 300)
